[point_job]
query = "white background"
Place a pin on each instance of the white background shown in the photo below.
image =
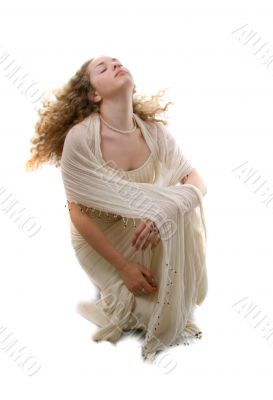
(222, 118)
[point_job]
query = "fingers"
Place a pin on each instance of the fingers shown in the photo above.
(153, 239)
(149, 277)
(155, 243)
(145, 288)
(147, 285)
(138, 230)
(142, 233)
(151, 282)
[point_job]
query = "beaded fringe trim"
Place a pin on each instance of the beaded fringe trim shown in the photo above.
(186, 338)
(105, 216)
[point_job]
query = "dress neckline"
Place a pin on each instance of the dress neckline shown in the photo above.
(120, 169)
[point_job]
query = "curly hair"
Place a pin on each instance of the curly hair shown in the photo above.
(71, 106)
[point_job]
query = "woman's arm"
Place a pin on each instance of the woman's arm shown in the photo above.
(195, 179)
(95, 237)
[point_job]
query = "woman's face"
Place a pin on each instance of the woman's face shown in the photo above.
(102, 74)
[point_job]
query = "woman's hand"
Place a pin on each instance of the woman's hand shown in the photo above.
(146, 233)
(138, 278)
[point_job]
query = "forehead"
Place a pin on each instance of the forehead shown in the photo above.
(99, 60)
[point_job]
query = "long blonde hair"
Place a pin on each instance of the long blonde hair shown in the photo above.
(71, 107)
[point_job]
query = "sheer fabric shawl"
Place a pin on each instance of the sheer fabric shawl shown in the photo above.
(176, 210)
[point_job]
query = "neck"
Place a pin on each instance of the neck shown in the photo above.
(118, 113)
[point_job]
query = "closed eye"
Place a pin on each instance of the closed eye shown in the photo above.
(106, 68)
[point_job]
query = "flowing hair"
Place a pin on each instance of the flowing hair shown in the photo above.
(70, 106)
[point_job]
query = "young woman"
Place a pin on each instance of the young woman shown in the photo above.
(98, 118)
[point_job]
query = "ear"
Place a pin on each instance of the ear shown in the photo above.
(94, 97)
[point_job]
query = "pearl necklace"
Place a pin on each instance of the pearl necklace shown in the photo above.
(118, 130)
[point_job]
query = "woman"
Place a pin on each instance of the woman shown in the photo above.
(97, 121)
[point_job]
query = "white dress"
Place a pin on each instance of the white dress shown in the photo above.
(117, 309)
(105, 276)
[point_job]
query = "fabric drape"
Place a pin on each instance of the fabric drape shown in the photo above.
(176, 210)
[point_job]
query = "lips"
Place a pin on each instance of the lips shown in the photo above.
(120, 71)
